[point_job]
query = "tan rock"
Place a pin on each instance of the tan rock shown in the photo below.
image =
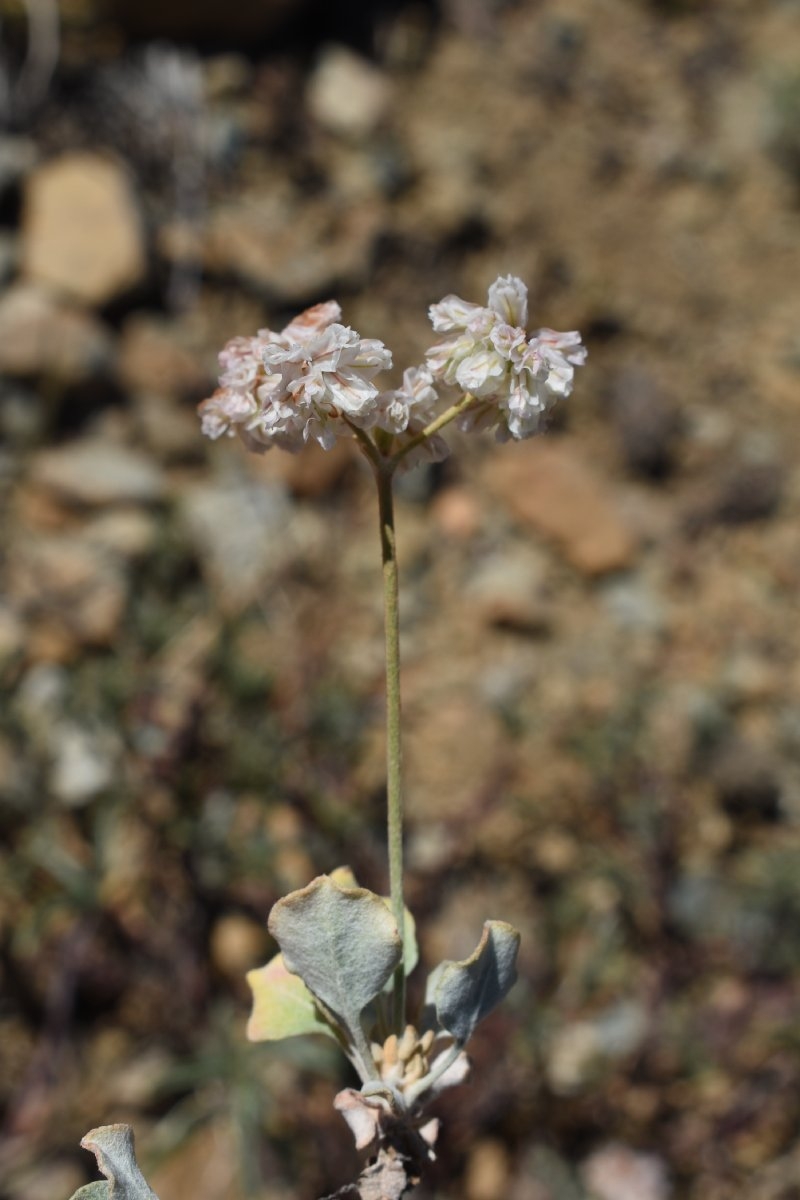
(276, 243)
(453, 752)
(95, 472)
(204, 1166)
(83, 763)
(287, 835)
(138, 1082)
(170, 429)
(238, 530)
(177, 683)
(40, 336)
(81, 228)
(153, 357)
(347, 94)
(40, 1182)
(616, 1172)
(311, 473)
(127, 533)
(11, 634)
(487, 1170)
(456, 513)
(41, 511)
(507, 590)
(71, 594)
(237, 944)
(549, 485)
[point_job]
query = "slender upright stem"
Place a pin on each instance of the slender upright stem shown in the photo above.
(394, 797)
(384, 466)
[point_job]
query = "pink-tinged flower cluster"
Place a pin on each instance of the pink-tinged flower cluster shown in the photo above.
(314, 379)
(515, 378)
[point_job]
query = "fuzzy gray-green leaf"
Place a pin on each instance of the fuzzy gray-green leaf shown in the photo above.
(467, 991)
(112, 1146)
(342, 942)
(92, 1191)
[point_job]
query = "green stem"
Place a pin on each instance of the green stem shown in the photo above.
(394, 797)
(384, 467)
(449, 414)
(368, 447)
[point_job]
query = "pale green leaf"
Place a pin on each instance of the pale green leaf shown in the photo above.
(410, 948)
(467, 991)
(282, 1005)
(112, 1146)
(342, 942)
(427, 1017)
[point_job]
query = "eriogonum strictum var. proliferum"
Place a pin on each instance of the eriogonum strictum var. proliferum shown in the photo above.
(344, 951)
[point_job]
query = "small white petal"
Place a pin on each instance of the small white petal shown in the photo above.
(481, 372)
(225, 409)
(372, 353)
(455, 1074)
(429, 1132)
(350, 392)
(508, 340)
(364, 1116)
(444, 357)
(452, 313)
(508, 297)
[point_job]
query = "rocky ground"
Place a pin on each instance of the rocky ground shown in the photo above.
(600, 628)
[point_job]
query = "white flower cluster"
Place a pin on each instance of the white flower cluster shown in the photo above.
(316, 379)
(309, 380)
(514, 378)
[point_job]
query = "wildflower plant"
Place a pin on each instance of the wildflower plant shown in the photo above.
(345, 952)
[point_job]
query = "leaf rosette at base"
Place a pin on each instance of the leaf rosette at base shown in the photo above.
(339, 949)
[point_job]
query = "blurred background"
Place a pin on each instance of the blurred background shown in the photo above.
(600, 627)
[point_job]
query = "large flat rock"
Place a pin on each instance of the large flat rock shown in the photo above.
(40, 336)
(81, 228)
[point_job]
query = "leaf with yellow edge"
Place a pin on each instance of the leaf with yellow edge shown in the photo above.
(344, 877)
(283, 1006)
